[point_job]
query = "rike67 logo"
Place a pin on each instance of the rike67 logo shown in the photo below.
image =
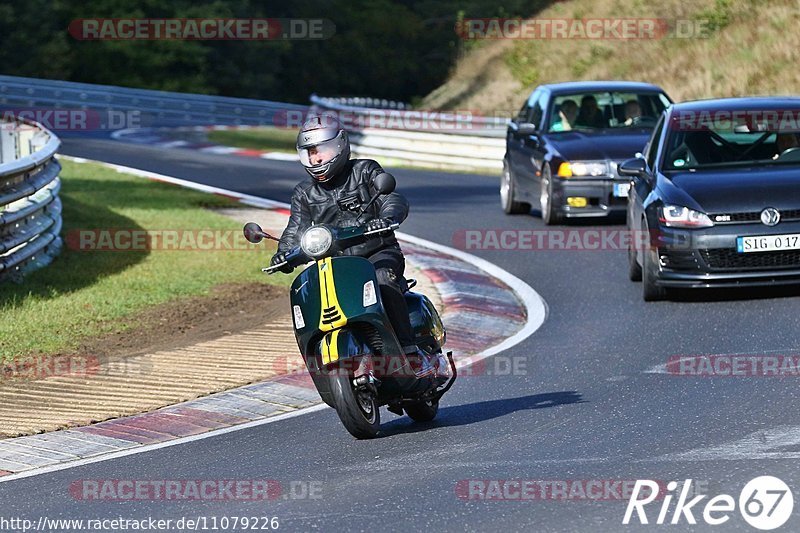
(765, 503)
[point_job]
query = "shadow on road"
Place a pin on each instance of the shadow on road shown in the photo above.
(462, 415)
(734, 294)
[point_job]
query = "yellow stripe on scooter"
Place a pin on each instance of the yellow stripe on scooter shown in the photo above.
(330, 347)
(328, 300)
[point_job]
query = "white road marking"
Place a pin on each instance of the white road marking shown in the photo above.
(222, 150)
(764, 444)
(535, 306)
(280, 156)
(662, 368)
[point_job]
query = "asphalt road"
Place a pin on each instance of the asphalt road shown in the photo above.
(584, 404)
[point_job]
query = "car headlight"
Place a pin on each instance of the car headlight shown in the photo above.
(583, 169)
(675, 216)
(316, 241)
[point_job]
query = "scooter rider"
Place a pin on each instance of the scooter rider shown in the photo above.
(335, 193)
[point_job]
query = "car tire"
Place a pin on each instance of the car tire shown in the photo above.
(650, 291)
(634, 268)
(550, 215)
(507, 194)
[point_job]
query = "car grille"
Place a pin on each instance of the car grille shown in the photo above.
(730, 259)
(753, 216)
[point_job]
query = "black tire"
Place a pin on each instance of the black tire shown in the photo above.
(422, 411)
(507, 194)
(550, 215)
(358, 411)
(634, 268)
(650, 291)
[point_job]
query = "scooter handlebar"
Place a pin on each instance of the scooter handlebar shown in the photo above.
(383, 230)
(296, 252)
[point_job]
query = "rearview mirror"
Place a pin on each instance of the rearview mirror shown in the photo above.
(384, 183)
(632, 167)
(254, 234)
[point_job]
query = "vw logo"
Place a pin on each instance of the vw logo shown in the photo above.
(770, 216)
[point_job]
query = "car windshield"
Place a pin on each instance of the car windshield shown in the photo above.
(605, 110)
(709, 143)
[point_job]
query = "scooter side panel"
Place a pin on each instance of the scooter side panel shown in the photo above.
(330, 294)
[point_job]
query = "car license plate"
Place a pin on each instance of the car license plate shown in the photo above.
(621, 190)
(768, 243)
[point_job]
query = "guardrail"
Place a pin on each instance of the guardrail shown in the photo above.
(434, 139)
(379, 128)
(154, 108)
(30, 210)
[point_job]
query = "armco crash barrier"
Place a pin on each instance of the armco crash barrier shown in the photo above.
(30, 210)
(409, 137)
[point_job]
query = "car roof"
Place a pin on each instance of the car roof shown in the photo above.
(741, 103)
(597, 86)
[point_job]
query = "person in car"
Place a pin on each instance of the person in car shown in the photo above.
(785, 141)
(632, 111)
(567, 113)
(590, 114)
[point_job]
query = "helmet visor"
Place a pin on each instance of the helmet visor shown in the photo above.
(322, 153)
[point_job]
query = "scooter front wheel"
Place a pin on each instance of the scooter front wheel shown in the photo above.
(357, 409)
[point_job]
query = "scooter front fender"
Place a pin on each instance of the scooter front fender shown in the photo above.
(337, 350)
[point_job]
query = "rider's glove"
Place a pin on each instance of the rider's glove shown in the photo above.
(279, 258)
(377, 224)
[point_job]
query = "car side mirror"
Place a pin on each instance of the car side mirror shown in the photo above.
(526, 128)
(634, 168)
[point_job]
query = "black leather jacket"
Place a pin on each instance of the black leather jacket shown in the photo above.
(337, 203)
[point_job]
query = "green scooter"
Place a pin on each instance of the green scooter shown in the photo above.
(344, 333)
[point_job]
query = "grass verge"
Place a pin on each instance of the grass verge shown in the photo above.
(268, 139)
(86, 293)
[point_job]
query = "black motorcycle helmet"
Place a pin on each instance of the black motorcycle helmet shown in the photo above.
(323, 147)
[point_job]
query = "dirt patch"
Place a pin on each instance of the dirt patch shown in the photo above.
(228, 309)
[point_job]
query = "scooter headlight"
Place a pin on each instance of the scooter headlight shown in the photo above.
(316, 241)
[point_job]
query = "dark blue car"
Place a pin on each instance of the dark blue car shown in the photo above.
(716, 196)
(563, 147)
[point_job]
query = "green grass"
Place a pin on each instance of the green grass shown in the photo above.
(87, 293)
(268, 139)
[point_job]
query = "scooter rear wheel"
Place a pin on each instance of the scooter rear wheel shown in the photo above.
(422, 411)
(358, 410)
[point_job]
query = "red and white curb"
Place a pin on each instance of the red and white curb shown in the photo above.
(154, 137)
(487, 310)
